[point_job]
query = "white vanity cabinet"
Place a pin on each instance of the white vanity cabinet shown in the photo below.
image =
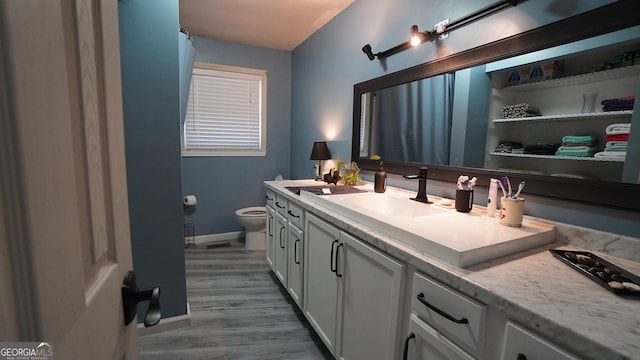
(352, 293)
(295, 251)
(295, 263)
(521, 344)
(280, 239)
(429, 344)
(370, 298)
(444, 324)
(320, 281)
(285, 247)
(271, 243)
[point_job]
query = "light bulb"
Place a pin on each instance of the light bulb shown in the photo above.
(415, 40)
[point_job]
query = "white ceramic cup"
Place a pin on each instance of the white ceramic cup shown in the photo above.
(511, 211)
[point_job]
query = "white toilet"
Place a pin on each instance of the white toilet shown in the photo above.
(254, 220)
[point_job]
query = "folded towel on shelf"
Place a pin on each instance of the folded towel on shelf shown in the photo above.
(579, 139)
(541, 149)
(582, 151)
(611, 154)
(617, 129)
(618, 104)
(509, 147)
(616, 146)
(616, 137)
(520, 110)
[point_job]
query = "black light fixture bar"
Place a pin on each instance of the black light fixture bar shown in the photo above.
(486, 11)
(429, 35)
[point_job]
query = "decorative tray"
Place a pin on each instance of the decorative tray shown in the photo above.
(609, 276)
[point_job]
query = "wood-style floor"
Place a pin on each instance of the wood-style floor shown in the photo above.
(238, 312)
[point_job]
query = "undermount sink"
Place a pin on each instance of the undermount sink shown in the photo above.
(392, 206)
(461, 239)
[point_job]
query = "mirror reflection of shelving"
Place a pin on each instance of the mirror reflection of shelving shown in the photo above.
(560, 101)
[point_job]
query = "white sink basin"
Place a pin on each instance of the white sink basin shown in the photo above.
(461, 239)
(391, 206)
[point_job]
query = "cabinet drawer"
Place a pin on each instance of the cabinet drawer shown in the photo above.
(295, 215)
(429, 344)
(460, 318)
(281, 205)
(521, 344)
(271, 198)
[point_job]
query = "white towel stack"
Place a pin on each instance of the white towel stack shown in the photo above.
(617, 136)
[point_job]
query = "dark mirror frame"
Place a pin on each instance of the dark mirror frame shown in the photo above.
(612, 17)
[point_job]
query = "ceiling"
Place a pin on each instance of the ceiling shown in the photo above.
(275, 24)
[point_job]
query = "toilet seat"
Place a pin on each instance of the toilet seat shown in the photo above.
(255, 211)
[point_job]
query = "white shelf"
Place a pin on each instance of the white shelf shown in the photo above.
(554, 157)
(613, 74)
(567, 117)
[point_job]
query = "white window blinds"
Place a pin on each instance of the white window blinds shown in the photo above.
(225, 112)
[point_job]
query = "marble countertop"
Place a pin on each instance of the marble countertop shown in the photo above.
(532, 287)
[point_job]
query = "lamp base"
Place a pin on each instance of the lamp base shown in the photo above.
(319, 174)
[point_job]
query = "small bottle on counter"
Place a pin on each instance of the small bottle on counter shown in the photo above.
(492, 200)
(380, 181)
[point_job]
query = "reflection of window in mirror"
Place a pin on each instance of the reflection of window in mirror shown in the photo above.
(365, 120)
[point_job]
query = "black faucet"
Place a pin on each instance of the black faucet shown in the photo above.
(422, 185)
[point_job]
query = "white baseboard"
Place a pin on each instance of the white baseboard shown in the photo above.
(172, 323)
(217, 239)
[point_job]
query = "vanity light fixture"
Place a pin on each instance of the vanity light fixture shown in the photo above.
(439, 30)
(418, 37)
(320, 152)
(415, 39)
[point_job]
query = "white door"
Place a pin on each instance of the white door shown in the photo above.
(320, 280)
(280, 239)
(370, 301)
(64, 223)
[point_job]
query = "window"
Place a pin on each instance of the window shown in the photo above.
(226, 112)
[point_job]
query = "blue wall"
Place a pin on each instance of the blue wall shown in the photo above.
(226, 184)
(330, 62)
(150, 91)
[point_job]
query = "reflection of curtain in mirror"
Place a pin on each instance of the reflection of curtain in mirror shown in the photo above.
(414, 121)
(186, 57)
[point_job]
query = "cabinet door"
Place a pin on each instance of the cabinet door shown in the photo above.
(320, 280)
(521, 344)
(295, 263)
(271, 244)
(426, 343)
(370, 301)
(280, 237)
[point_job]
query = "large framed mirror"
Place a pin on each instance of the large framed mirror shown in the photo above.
(486, 72)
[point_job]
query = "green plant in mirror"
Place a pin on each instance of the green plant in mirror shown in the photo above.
(350, 172)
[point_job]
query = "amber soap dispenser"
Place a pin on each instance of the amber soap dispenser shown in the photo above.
(380, 181)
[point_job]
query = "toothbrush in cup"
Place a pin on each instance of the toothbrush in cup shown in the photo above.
(507, 184)
(520, 187)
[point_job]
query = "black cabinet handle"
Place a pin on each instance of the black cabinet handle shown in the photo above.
(281, 246)
(338, 253)
(292, 214)
(278, 205)
(268, 198)
(270, 224)
(295, 252)
(333, 244)
(442, 313)
(131, 296)
(406, 345)
(521, 356)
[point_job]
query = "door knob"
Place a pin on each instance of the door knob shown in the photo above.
(131, 296)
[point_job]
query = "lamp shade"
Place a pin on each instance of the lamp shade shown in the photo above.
(320, 151)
